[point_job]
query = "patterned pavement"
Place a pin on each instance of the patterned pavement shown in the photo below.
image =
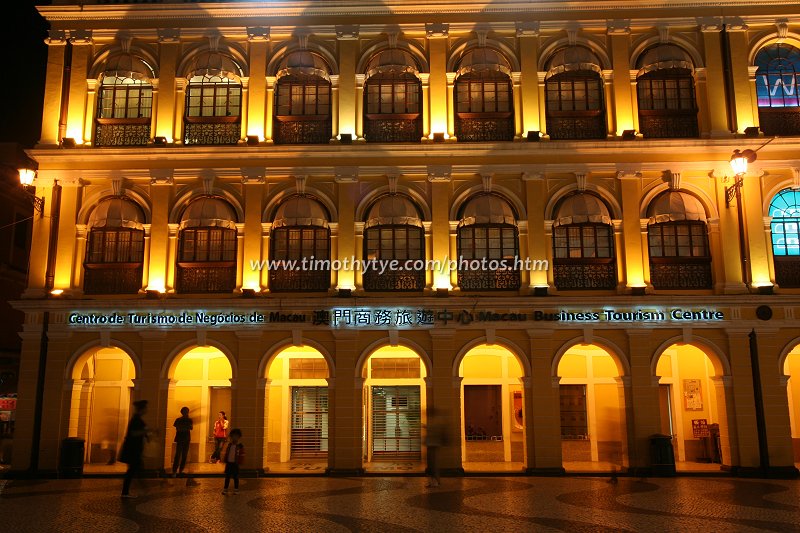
(403, 504)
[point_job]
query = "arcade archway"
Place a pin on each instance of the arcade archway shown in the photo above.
(693, 406)
(200, 379)
(492, 408)
(297, 411)
(791, 368)
(592, 400)
(102, 380)
(395, 401)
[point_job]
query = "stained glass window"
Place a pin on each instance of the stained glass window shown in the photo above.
(785, 212)
(776, 77)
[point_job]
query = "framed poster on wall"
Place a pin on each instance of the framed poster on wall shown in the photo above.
(692, 395)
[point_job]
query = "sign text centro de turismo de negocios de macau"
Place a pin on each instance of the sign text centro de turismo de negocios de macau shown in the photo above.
(392, 317)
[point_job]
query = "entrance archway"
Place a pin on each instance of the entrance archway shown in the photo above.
(297, 411)
(592, 406)
(791, 368)
(693, 406)
(102, 380)
(492, 412)
(394, 410)
(200, 379)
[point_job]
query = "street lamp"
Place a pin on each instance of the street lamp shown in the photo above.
(26, 177)
(739, 161)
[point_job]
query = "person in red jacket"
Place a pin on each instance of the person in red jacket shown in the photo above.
(220, 434)
(234, 457)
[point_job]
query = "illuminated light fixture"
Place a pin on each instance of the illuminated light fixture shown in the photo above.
(160, 141)
(26, 177)
(252, 140)
(438, 137)
(152, 294)
(540, 290)
(752, 131)
(248, 293)
(534, 136)
(740, 159)
(346, 138)
(638, 291)
(68, 142)
(442, 292)
(57, 292)
(628, 135)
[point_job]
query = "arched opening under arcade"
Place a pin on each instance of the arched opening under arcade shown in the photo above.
(102, 379)
(791, 368)
(200, 379)
(492, 408)
(592, 407)
(693, 407)
(394, 400)
(296, 414)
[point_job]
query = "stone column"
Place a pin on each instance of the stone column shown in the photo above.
(730, 253)
(58, 352)
(37, 263)
(161, 197)
(723, 393)
(180, 106)
(437, 53)
(348, 56)
(53, 87)
(715, 84)
(424, 79)
(359, 106)
(451, 108)
(26, 402)
(541, 77)
(528, 39)
(166, 115)
(440, 228)
(66, 238)
(346, 185)
(516, 79)
(739, 49)
(543, 408)
(91, 106)
(253, 185)
(535, 199)
(245, 101)
(346, 410)
(631, 189)
(80, 254)
(620, 36)
(334, 107)
(643, 410)
(259, 47)
(744, 435)
(444, 393)
(625, 399)
(76, 113)
(172, 255)
(248, 398)
(269, 128)
(758, 246)
(156, 389)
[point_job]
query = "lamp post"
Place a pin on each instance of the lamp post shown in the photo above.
(739, 162)
(26, 178)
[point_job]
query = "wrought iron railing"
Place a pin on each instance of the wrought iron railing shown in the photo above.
(302, 130)
(671, 274)
(213, 130)
(400, 280)
(484, 129)
(405, 128)
(112, 278)
(299, 280)
(787, 271)
(779, 120)
(205, 277)
(576, 127)
(585, 274)
(670, 124)
(488, 280)
(122, 132)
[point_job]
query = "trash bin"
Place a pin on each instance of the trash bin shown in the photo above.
(71, 461)
(662, 456)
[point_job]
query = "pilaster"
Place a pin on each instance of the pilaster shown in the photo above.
(258, 89)
(56, 52)
(76, 113)
(165, 109)
(620, 79)
(715, 84)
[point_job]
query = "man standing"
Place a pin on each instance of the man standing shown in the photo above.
(133, 445)
(183, 427)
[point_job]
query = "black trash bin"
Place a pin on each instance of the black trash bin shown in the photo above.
(71, 462)
(662, 456)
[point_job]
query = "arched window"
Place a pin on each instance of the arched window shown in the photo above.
(484, 99)
(302, 100)
(488, 245)
(777, 89)
(124, 102)
(301, 242)
(574, 100)
(392, 98)
(583, 244)
(394, 232)
(114, 248)
(785, 213)
(207, 247)
(213, 101)
(665, 90)
(677, 238)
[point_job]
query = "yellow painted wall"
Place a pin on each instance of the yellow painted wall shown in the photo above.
(792, 368)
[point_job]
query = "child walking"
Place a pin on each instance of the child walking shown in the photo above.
(234, 456)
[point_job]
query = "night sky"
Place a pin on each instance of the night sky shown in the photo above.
(23, 56)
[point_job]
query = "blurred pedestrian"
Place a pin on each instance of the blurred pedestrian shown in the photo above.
(183, 427)
(435, 438)
(234, 457)
(220, 434)
(133, 446)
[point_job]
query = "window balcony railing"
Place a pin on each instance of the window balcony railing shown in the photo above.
(206, 277)
(576, 127)
(680, 274)
(212, 130)
(488, 280)
(585, 274)
(779, 120)
(787, 271)
(299, 280)
(312, 129)
(668, 124)
(122, 131)
(484, 127)
(401, 280)
(394, 129)
(112, 278)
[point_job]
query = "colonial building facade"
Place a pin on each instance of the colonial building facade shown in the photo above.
(331, 220)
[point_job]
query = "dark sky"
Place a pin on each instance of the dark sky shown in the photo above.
(23, 55)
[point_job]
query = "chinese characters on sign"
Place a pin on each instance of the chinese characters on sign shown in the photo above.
(375, 317)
